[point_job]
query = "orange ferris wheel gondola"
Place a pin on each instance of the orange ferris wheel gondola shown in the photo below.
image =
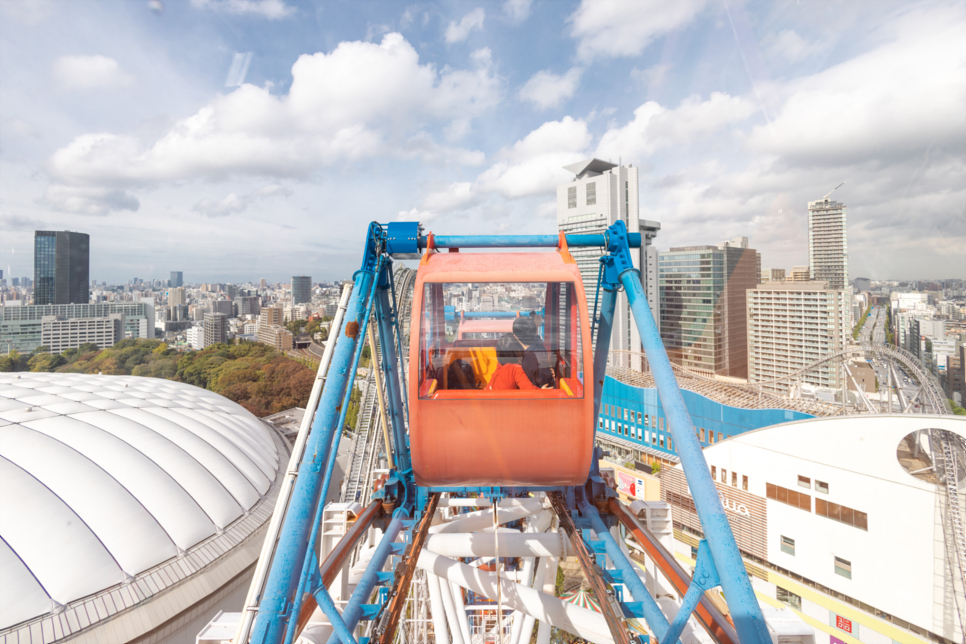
(462, 433)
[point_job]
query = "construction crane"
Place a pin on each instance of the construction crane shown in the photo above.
(524, 476)
(833, 190)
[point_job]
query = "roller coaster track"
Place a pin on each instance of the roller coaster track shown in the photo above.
(932, 394)
(369, 442)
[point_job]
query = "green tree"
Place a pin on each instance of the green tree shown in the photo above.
(14, 361)
(46, 362)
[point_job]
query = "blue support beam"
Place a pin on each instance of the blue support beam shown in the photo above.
(745, 611)
(394, 393)
(652, 612)
(278, 603)
(605, 324)
(354, 610)
(705, 578)
(524, 241)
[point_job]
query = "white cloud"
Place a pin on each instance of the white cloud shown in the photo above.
(614, 28)
(547, 210)
(655, 127)
(546, 89)
(460, 31)
(880, 106)
(531, 166)
(787, 45)
(457, 195)
(517, 11)
(362, 100)
(652, 76)
(233, 204)
(11, 223)
(271, 9)
(90, 72)
(90, 200)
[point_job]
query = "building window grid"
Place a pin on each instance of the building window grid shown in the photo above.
(793, 498)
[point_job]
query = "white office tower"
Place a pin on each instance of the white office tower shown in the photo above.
(600, 194)
(828, 244)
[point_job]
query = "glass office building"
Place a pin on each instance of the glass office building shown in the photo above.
(703, 317)
(61, 267)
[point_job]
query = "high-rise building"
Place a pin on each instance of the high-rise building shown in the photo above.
(600, 194)
(828, 247)
(276, 336)
(301, 289)
(793, 324)
(772, 275)
(270, 317)
(703, 319)
(177, 279)
(176, 296)
(247, 305)
(271, 331)
(61, 267)
(800, 274)
(216, 328)
(225, 307)
(261, 284)
(195, 337)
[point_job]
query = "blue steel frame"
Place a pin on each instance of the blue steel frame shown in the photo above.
(294, 568)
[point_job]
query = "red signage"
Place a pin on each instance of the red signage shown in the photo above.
(844, 624)
(626, 484)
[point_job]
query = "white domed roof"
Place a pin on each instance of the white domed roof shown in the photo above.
(106, 477)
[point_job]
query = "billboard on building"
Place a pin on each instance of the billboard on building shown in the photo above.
(746, 512)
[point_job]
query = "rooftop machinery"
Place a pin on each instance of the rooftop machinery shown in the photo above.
(488, 448)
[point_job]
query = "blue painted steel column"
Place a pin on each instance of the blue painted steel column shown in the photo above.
(652, 612)
(705, 578)
(745, 611)
(274, 607)
(393, 388)
(605, 324)
(353, 610)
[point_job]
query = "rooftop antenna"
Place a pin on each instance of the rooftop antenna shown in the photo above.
(833, 190)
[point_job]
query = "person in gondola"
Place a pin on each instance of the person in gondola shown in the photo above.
(536, 359)
(510, 375)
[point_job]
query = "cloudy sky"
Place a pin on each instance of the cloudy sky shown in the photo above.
(239, 139)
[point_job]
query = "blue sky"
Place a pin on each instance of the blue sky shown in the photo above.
(125, 119)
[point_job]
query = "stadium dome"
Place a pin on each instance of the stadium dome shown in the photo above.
(117, 490)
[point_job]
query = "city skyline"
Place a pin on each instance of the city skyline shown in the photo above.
(111, 126)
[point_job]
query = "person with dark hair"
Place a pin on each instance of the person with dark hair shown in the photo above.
(510, 375)
(536, 359)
